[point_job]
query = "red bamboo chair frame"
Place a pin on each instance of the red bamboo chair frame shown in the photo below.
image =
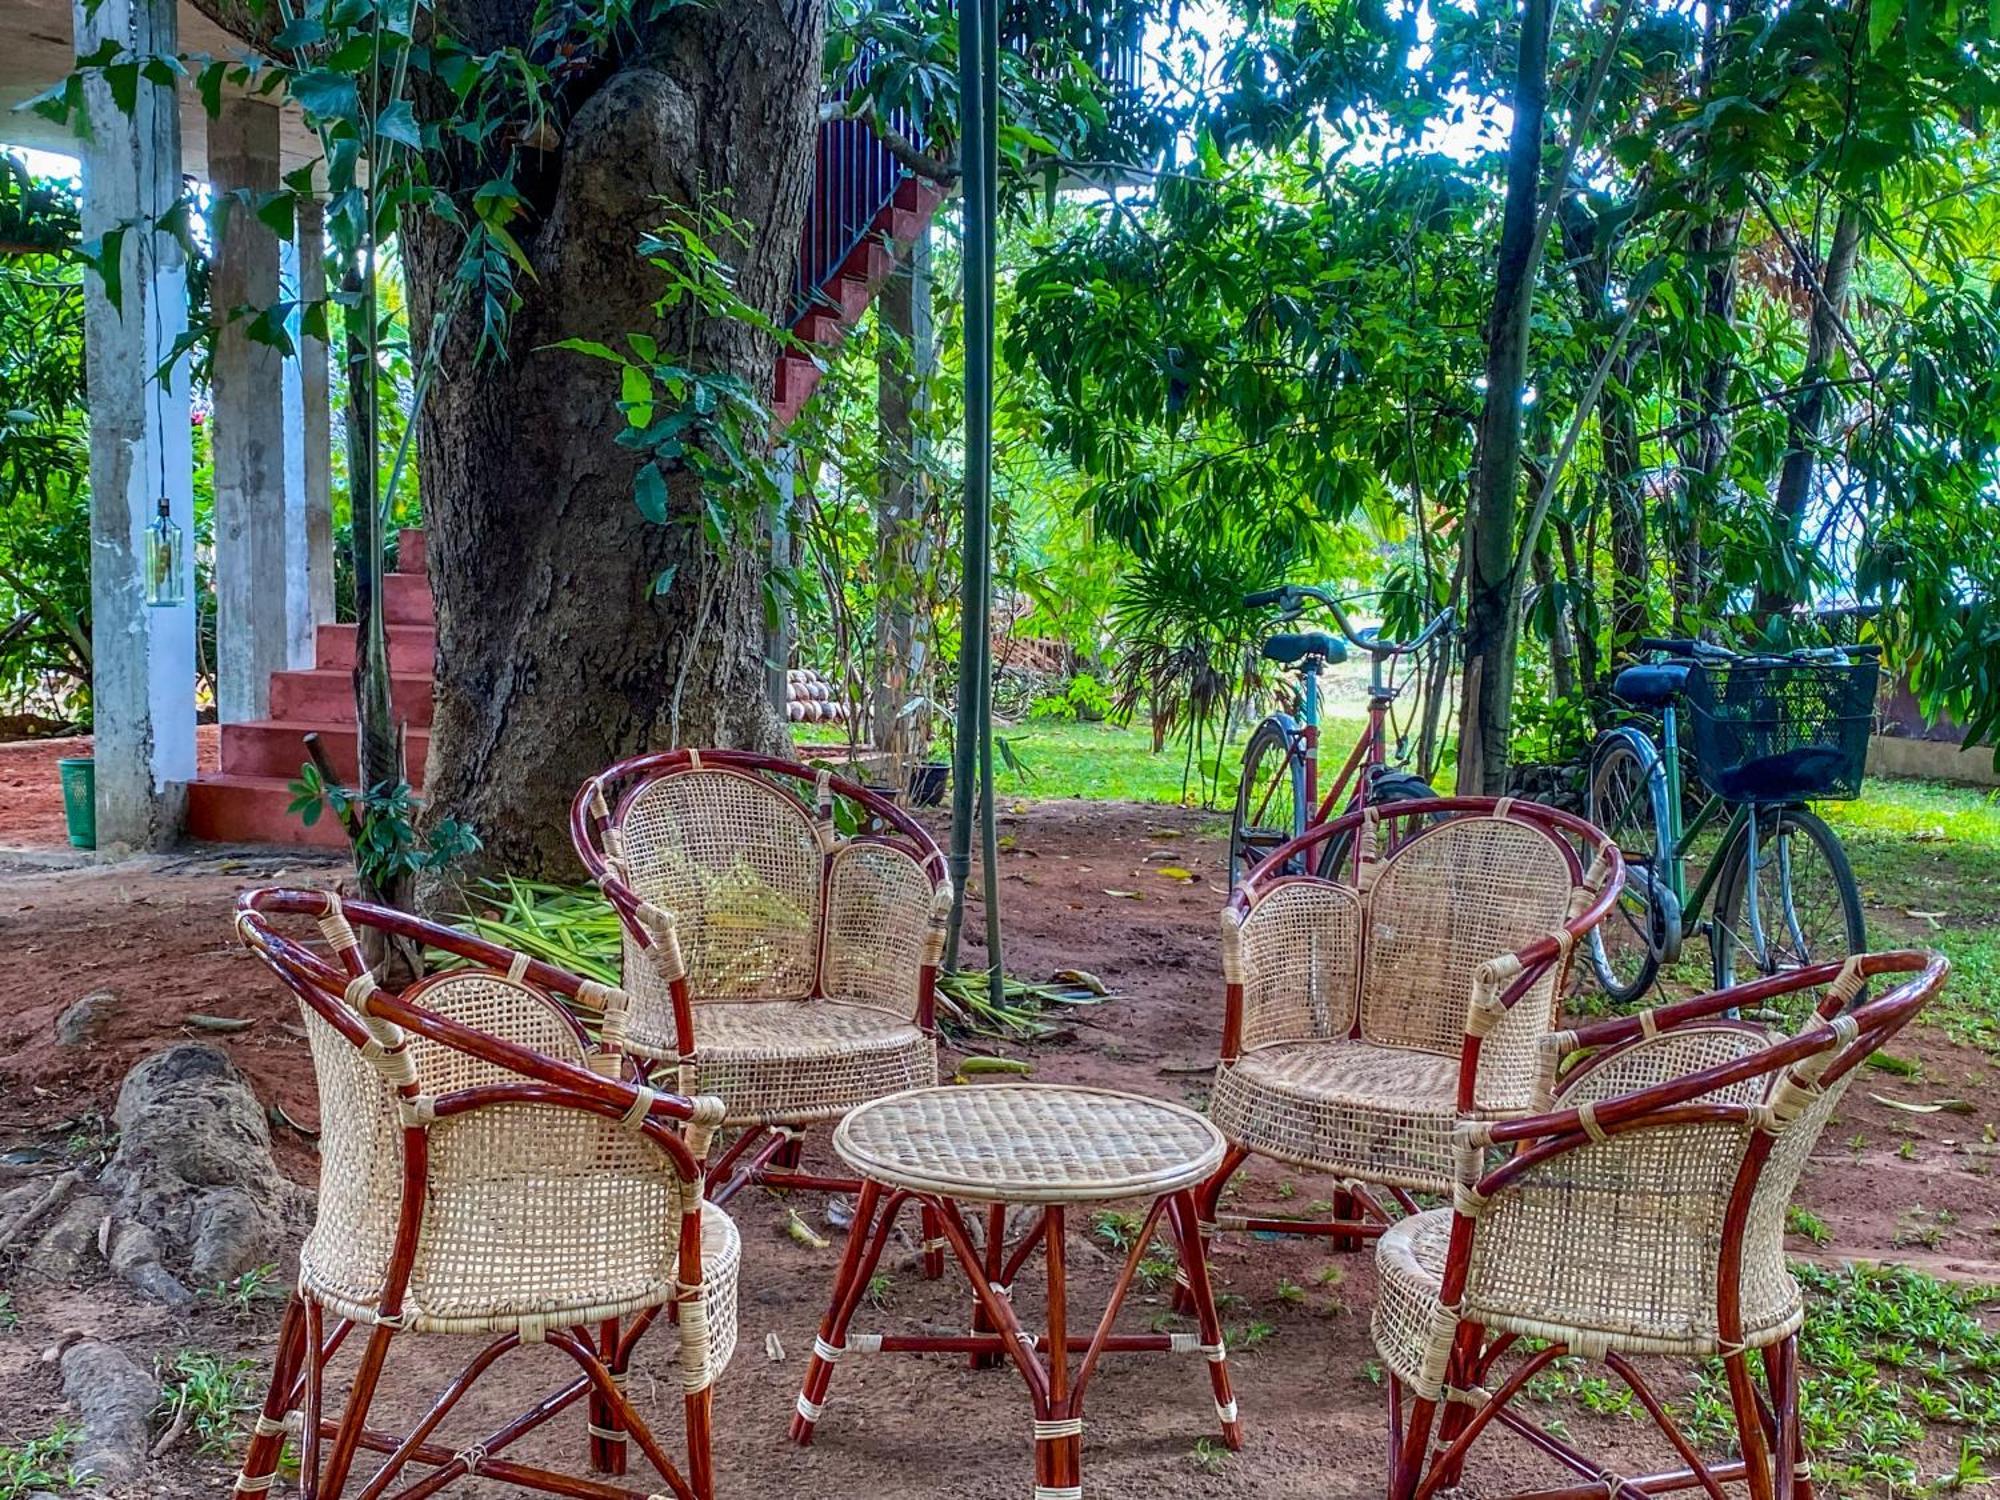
(764, 1151)
(1363, 1207)
(1432, 1434)
(381, 1026)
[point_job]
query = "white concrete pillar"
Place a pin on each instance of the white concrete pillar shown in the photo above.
(263, 614)
(310, 247)
(142, 672)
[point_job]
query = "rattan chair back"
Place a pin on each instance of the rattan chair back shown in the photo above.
(1399, 948)
(740, 878)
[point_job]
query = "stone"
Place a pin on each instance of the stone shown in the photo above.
(193, 1169)
(116, 1399)
(85, 1019)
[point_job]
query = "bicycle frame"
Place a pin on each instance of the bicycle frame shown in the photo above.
(1681, 844)
(1369, 751)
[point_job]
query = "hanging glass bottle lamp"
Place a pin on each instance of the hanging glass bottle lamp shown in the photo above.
(166, 577)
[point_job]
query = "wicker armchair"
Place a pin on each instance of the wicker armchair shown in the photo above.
(483, 1170)
(1640, 1211)
(1366, 1016)
(776, 961)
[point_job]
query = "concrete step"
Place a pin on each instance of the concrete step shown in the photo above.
(411, 550)
(412, 648)
(277, 747)
(406, 600)
(224, 808)
(797, 375)
(327, 697)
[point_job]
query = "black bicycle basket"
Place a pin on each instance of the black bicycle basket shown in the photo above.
(1781, 731)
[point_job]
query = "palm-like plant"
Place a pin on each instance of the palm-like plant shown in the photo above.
(1186, 643)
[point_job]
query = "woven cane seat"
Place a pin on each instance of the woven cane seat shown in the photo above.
(1351, 1108)
(797, 1061)
(1409, 1267)
(1029, 1143)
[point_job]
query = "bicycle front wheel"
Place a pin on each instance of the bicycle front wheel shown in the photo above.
(1808, 908)
(1627, 800)
(1270, 798)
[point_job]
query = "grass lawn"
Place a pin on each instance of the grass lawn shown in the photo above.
(1113, 761)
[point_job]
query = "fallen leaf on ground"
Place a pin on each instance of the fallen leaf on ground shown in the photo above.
(1083, 978)
(1122, 895)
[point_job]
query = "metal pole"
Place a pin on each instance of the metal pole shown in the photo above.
(968, 735)
(989, 145)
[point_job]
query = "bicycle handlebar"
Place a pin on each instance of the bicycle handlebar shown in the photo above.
(1294, 597)
(1708, 651)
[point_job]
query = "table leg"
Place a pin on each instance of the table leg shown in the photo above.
(1058, 1428)
(1194, 1258)
(866, 1238)
(996, 1247)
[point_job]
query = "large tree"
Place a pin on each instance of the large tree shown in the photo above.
(557, 653)
(593, 597)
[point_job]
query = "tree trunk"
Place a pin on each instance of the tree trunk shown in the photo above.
(905, 362)
(1492, 625)
(1706, 375)
(554, 657)
(1785, 580)
(1617, 428)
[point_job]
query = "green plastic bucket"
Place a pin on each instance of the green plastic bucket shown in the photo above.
(79, 789)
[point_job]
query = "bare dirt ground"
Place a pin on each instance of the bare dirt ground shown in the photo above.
(156, 935)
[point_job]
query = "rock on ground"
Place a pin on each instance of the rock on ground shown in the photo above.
(116, 1399)
(198, 1196)
(84, 1018)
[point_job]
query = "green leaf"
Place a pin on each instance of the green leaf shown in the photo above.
(329, 95)
(104, 255)
(591, 347)
(635, 391)
(649, 493)
(398, 123)
(304, 31)
(277, 212)
(208, 84)
(1882, 18)
(665, 580)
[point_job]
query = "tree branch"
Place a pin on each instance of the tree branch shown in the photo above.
(900, 146)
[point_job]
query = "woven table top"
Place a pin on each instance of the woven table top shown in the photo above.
(1029, 1143)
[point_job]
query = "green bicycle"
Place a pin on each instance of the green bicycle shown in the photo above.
(1770, 733)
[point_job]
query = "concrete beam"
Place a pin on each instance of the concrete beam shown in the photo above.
(263, 612)
(142, 670)
(318, 431)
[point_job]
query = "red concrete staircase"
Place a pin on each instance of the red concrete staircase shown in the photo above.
(246, 801)
(864, 215)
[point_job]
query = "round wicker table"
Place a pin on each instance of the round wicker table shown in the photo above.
(1048, 1146)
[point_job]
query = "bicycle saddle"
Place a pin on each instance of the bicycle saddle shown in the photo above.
(1289, 647)
(1651, 684)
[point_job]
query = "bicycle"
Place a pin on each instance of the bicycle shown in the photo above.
(1770, 733)
(1278, 797)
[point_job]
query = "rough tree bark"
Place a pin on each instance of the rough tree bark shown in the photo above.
(905, 363)
(1706, 377)
(553, 658)
(1785, 582)
(1617, 427)
(1491, 627)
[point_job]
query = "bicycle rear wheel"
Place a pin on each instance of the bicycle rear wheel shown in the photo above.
(1627, 800)
(1382, 786)
(1270, 798)
(1808, 905)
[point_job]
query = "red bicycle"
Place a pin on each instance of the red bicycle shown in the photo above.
(1278, 797)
